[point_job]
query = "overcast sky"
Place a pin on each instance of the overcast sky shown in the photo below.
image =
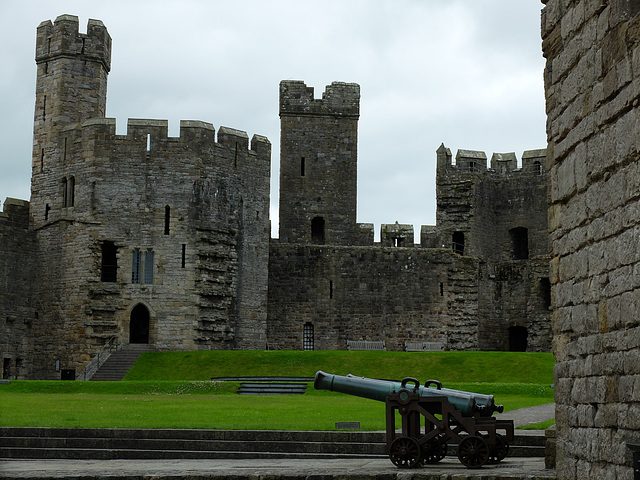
(466, 73)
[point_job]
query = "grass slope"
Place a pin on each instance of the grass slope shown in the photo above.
(173, 390)
(485, 367)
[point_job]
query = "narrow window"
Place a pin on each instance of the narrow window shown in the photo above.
(307, 336)
(42, 160)
(109, 262)
(72, 191)
(44, 107)
(457, 240)
(302, 167)
(537, 167)
(6, 368)
(46, 67)
(519, 243)
(148, 267)
(441, 289)
(317, 230)
(64, 192)
(330, 288)
(148, 143)
(235, 157)
(46, 211)
(135, 266)
(184, 254)
(545, 292)
(472, 166)
(167, 219)
(83, 42)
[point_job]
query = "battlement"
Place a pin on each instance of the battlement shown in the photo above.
(15, 213)
(193, 133)
(506, 164)
(339, 99)
(62, 39)
(396, 235)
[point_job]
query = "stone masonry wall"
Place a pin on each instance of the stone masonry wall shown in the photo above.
(592, 81)
(16, 311)
(318, 164)
(186, 219)
(479, 208)
(371, 293)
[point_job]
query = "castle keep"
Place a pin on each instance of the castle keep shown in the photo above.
(146, 238)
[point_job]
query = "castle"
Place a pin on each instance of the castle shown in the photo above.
(146, 238)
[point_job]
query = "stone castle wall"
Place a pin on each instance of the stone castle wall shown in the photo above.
(391, 295)
(16, 267)
(592, 82)
(146, 238)
(182, 222)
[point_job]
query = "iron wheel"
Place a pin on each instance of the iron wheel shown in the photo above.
(434, 450)
(405, 452)
(500, 451)
(473, 451)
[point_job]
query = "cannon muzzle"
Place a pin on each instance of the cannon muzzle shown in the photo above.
(466, 402)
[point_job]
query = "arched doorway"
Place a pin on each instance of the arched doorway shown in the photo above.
(518, 339)
(139, 325)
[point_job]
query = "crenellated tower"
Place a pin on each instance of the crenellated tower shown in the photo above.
(318, 163)
(71, 87)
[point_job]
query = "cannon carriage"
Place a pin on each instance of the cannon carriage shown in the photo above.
(432, 417)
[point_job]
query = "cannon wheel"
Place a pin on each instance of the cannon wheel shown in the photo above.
(473, 451)
(500, 451)
(405, 452)
(434, 450)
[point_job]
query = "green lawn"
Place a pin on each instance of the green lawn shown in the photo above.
(493, 367)
(161, 402)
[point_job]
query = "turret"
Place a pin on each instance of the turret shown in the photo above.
(71, 87)
(318, 163)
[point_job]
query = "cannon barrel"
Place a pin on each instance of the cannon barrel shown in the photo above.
(466, 402)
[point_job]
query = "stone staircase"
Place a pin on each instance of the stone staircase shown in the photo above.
(107, 444)
(119, 362)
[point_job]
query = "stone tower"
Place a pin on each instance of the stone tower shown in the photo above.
(318, 163)
(71, 87)
(138, 238)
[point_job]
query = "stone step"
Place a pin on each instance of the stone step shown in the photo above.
(272, 388)
(61, 443)
(120, 362)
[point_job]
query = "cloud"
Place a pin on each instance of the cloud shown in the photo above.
(462, 72)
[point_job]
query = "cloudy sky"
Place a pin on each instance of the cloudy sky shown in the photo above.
(466, 73)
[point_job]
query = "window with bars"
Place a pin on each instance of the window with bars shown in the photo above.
(307, 336)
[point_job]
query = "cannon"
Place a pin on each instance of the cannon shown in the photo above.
(432, 417)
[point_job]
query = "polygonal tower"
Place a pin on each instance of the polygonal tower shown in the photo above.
(71, 87)
(318, 163)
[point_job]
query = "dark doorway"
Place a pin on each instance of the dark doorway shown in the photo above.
(457, 239)
(139, 325)
(317, 230)
(109, 270)
(518, 339)
(519, 243)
